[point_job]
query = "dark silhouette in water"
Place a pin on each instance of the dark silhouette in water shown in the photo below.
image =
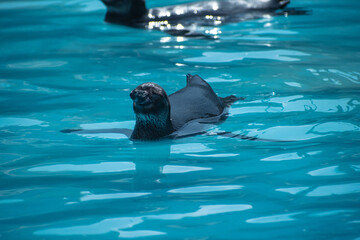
(190, 111)
(159, 115)
(186, 112)
(183, 19)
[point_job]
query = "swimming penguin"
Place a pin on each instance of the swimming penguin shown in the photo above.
(187, 112)
(183, 19)
(159, 115)
(190, 111)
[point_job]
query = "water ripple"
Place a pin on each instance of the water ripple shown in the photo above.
(341, 189)
(88, 196)
(335, 127)
(189, 148)
(102, 227)
(224, 57)
(37, 64)
(103, 167)
(328, 171)
(356, 167)
(274, 218)
(275, 31)
(283, 157)
(21, 122)
(139, 233)
(301, 132)
(331, 212)
(300, 76)
(289, 133)
(115, 224)
(9, 201)
(335, 75)
(113, 136)
(202, 189)
(219, 155)
(297, 104)
(205, 210)
(108, 125)
(168, 169)
(25, 5)
(293, 190)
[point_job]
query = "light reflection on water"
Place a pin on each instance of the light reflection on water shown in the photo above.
(115, 224)
(223, 57)
(94, 168)
(330, 190)
(274, 218)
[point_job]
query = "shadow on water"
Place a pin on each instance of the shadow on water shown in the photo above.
(151, 158)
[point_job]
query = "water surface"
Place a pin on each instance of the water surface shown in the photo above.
(62, 67)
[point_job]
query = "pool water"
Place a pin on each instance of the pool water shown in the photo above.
(62, 67)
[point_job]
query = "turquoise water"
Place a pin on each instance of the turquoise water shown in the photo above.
(62, 67)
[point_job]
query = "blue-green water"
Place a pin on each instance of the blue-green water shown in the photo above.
(62, 67)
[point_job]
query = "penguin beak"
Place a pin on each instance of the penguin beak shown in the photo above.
(140, 97)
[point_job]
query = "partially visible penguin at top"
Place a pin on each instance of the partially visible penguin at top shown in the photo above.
(184, 19)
